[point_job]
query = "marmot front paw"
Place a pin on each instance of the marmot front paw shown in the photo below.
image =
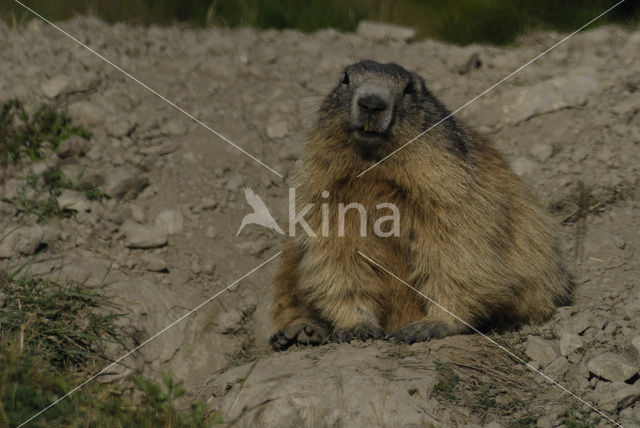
(303, 334)
(361, 332)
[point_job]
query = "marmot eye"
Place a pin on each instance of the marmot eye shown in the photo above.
(345, 79)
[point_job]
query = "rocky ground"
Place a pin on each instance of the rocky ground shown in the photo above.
(163, 237)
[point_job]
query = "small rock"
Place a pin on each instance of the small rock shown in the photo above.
(541, 152)
(153, 263)
(619, 242)
(87, 113)
(493, 424)
(211, 232)
(569, 342)
(539, 350)
(72, 146)
(524, 167)
(382, 32)
(557, 368)
(632, 105)
(73, 200)
(137, 213)
(619, 397)
(634, 346)
(278, 130)
(170, 221)
(230, 321)
(8, 210)
(123, 181)
(195, 267)
(208, 268)
(577, 324)
(23, 240)
(142, 236)
(55, 86)
(612, 367)
(208, 203)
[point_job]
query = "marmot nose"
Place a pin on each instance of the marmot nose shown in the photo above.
(372, 103)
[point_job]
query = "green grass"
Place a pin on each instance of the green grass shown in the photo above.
(575, 418)
(457, 21)
(449, 380)
(28, 138)
(23, 134)
(52, 337)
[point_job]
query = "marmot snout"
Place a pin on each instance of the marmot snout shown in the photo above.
(472, 237)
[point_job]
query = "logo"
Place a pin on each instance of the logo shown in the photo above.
(262, 217)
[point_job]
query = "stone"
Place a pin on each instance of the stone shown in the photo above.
(72, 146)
(122, 181)
(619, 396)
(87, 113)
(569, 343)
(143, 236)
(557, 368)
(195, 267)
(384, 32)
(520, 104)
(153, 263)
(137, 213)
(55, 86)
(229, 321)
(24, 240)
(539, 350)
(631, 105)
(170, 222)
(74, 201)
(577, 324)
(211, 232)
(524, 167)
(8, 210)
(612, 367)
(541, 152)
(278, 130)
(634, 346)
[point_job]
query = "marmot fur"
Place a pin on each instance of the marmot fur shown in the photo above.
(471, 235)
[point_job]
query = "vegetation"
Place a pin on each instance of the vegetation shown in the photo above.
(458, 21)
(52, 337)
(22, 134)
(446, 387)
(34, 137)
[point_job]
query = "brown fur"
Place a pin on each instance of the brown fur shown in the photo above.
(472, 239)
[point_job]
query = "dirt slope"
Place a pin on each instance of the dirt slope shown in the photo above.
(163, 239)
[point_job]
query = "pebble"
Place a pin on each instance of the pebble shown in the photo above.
(143, 236)
(229, 322)
(541, 152)
(72, 146)
(87, 113)
(24, 240)
(153, 263)
(619, 396)
(524, 167)
(137, 213)
(278, 130)
(634, 346)
(170, 222)
(612, 367)
(195, 267)
(569, 342)
(211, 232)
(55, 86)
(73, 200)
(539, 350)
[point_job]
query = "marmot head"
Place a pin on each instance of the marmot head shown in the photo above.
(378, 107)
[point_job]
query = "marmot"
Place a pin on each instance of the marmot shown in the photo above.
(471, 235)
